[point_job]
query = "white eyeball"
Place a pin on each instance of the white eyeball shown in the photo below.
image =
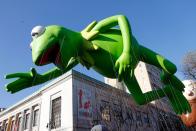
(37, 31)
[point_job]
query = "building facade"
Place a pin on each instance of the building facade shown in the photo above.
(75, 102)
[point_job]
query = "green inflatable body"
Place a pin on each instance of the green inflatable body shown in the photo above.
(111, 52)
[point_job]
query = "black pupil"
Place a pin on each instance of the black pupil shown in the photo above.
(34, 34)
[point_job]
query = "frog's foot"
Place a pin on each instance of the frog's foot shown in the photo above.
(178, 101)
(88, 33)
(169, 79)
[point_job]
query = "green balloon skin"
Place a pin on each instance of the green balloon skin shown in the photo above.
(114, 53)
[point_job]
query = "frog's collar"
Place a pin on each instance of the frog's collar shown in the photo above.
(86, 60)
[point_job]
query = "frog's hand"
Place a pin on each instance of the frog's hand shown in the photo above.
(24, 80)
(124, 61)
(88, 33)
(123, 66)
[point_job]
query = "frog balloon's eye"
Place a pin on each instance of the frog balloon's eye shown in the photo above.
(37, 31)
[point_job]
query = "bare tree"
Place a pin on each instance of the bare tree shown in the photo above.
(189, 65)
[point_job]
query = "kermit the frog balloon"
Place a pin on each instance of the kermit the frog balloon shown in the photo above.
(114, 53)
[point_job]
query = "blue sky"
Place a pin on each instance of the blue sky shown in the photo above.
(165, 26)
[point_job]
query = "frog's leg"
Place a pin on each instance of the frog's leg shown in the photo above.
(168, 68)
(153, 58)
(177, 100)
(173, 86)
(140, 97)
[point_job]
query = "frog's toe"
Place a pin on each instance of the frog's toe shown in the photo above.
(7, 87)
(184, 104)
(174, 106)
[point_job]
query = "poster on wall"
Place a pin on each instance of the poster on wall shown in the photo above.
(84, 106)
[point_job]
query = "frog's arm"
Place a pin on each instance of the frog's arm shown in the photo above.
(124, 61)
(32, 78)
(124, 26)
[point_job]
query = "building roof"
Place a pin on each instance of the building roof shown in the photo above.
(67, 75)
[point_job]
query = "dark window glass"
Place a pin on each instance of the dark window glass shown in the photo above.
(19, 123)
(56, 113)
(6, 126)
(27, 121)
(35, 117)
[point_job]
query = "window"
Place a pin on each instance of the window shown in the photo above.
(6, 125)
(12, 125)
(27, 121)
(19, 123)
(35, 117)
(56, 113)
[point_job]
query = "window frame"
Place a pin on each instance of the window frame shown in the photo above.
(35, 123)
(53, 98)
(27, 123)
(12, 123)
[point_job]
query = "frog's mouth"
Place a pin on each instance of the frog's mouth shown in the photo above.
(52, 55)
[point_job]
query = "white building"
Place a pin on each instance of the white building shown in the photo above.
(75, 102)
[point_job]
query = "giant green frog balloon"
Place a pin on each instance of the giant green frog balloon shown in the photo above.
(114, 53)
